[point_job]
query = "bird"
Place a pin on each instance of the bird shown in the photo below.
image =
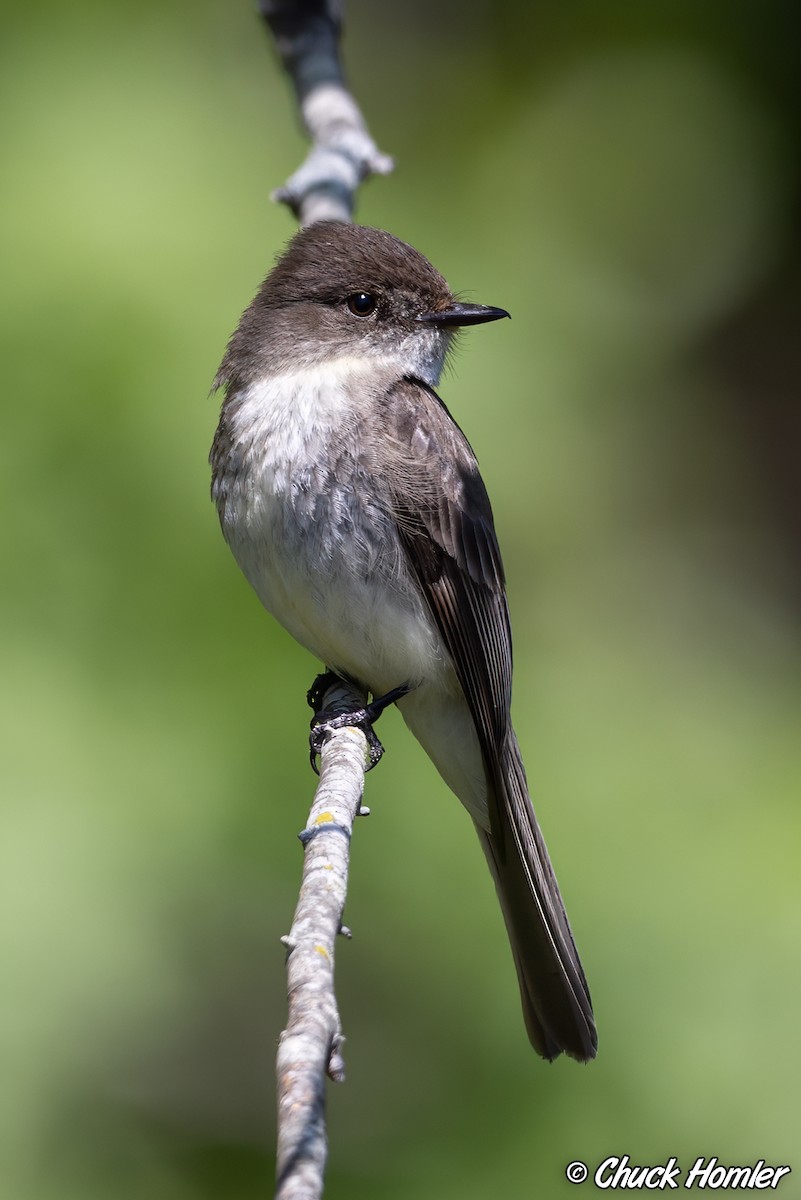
(354, 505)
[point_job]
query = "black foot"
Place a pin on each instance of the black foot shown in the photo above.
(316, 693)
(323, 724)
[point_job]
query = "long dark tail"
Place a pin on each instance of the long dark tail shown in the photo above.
(556, 1000)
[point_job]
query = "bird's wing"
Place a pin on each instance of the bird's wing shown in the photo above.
(443, 513)
(444, 517)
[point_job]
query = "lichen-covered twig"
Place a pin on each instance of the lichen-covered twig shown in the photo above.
(310, 1048)
(343, 154)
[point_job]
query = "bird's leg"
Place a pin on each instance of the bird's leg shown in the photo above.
(326, 721)
(316, 693)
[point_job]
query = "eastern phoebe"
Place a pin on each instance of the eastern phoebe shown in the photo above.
(354, 505)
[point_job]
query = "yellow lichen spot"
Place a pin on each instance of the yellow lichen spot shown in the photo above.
(324, 818)
(322, 950)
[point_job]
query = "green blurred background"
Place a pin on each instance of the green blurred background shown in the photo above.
(624, 178)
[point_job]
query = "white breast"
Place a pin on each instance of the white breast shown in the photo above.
(306, 521)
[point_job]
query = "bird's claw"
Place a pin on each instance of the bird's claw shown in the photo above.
(324, 724)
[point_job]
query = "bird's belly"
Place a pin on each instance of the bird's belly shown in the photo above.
(333, 574)
(373, 627)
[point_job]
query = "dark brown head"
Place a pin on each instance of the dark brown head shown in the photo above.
(348, 290)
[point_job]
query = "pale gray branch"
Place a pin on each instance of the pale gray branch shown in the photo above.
(343, 154)
(310, 1046)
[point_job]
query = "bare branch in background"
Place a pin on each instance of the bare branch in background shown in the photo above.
(343, 154)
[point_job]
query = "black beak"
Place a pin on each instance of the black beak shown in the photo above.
(463, 314)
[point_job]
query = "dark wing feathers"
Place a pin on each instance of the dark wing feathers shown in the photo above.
(445, 521)
(446, 525)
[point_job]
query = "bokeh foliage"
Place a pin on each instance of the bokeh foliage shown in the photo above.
(622, 177)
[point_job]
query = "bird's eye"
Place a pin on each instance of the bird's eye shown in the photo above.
(361, 304)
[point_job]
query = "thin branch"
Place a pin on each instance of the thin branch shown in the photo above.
(310, 1046)
(343, 154)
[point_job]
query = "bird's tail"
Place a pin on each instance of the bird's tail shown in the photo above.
(556, 1000)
